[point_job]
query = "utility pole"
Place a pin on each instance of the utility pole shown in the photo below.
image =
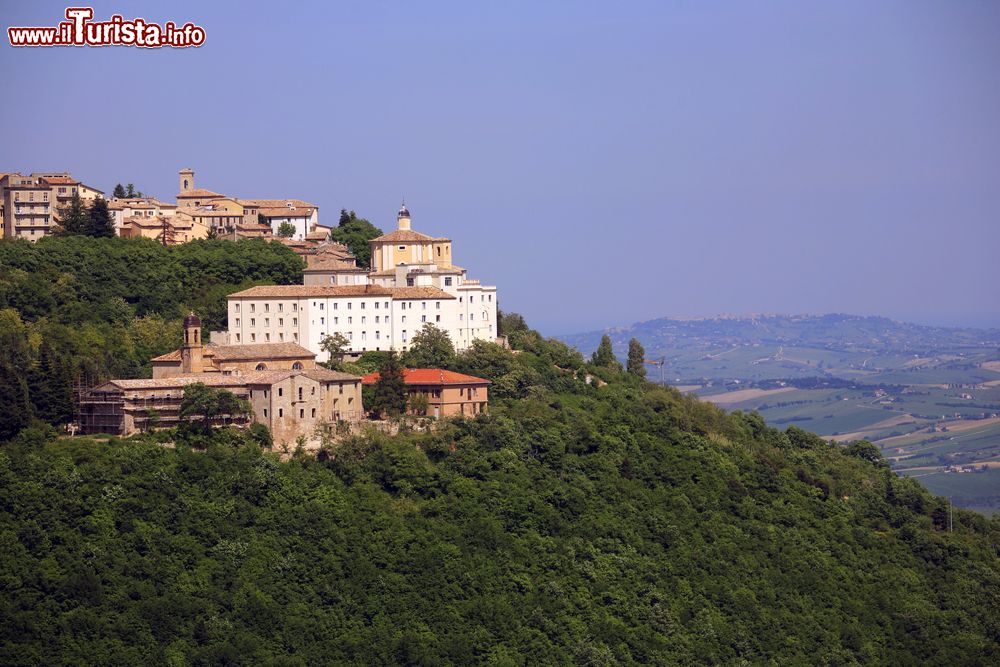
(659, 363)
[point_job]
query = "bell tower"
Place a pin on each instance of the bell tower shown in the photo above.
(191, 352)
(403, 218)
(186, 180)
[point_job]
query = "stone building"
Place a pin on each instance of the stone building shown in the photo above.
(31, 203)
(289, 393)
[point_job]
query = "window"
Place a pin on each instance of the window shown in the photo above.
(404, 334)
(437, 318)
(265, 413)
(297, 366)
(281, 321)
(281, 307)
(409, 282)
(348, 305)
(376, 317)
(404, 319)
(253, 337)
(423, 318)
(267, 321)
(376, 335)
(322, 320)
(321, 306)
(362, 305)
(253, 307)
(423, 305)
(253, 321)
(313, 413)
(447, 281)
(237, 308)
(281, 337)
(336, 320)
(300, 393)
(280, 391)
(437, 304)
(362, 319)
(387, 305)
(333, 280)
(349, 320)
(267, 307)
(295, 307)
(281, 412)
(402, 247)
(461, 391)
(472, 316)
(376, 305)
(237, 321)
(335, 305)
(267, 337)
(295, 321)
(491, 297)
(295, 336)
(261, 367)
(237, 338)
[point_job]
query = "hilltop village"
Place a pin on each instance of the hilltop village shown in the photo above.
(272, 352)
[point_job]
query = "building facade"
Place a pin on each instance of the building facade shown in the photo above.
(446, 393)
(288, 392)
(31, 203)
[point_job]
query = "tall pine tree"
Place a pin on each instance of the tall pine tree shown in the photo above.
(100, 223)
(15, 409)
(50, 388)
(73, 219)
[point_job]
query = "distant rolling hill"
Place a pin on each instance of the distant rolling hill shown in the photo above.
(759, 347)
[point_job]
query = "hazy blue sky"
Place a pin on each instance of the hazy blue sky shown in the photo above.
(601, 162)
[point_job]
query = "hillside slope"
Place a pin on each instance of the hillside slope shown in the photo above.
(574, 525)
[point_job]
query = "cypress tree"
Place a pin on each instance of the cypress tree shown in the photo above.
(50, 388)
(119, 192)
(390, 389)
(604, 356)
(636, 358)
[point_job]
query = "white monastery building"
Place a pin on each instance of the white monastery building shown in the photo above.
(412, 282)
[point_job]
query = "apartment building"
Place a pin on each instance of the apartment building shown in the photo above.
(31, 203)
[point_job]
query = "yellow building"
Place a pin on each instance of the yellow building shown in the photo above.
(405, 246)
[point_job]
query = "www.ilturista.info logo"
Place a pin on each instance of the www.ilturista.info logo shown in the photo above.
(79, 30)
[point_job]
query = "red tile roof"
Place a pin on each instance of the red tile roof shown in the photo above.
(430, 376)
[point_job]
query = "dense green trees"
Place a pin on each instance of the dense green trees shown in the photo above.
(78, 219)
(204, 407)
(336, 346)
(355, 232)
(582, 525)
(87, 309)
(127, 192)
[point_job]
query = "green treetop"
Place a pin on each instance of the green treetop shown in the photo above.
(389, 395)
(636, 358)
(355, 232)
(431, 347)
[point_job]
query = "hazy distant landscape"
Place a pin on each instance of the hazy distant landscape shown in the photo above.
(929, 397)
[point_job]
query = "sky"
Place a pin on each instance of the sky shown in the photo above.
(601, 163)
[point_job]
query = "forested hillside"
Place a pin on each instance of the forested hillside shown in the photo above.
(85, 309)
(576, 524)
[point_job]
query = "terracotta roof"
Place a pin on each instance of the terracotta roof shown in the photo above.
(209, 213)
(61, 180)
(326, 375)
(440, 269)
(407, 235)
(210, 379)
(318, 235)
(284, 212)
(293, 291)
(335, 265)
(303, 291)
(198, 192)
(274, 203)
(260, 351)
(169, 356)
(430, 376)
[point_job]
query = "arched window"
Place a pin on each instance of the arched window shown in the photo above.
(262, 367)
(297, 366)
(185, 184)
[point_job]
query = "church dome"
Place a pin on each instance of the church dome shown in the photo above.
(403, 212)
(192, 321)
